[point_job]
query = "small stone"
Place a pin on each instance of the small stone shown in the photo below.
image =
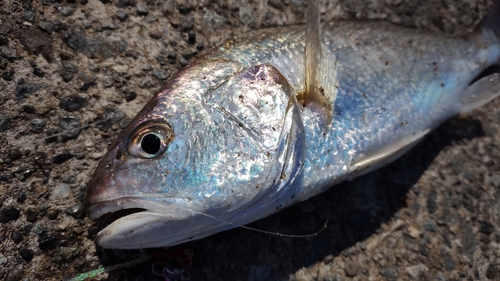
(9, 54)
(187, 23)
(76, 211)
(47, 240)
(39, 229)
(61, 191)
(24, 90)
(37, 125)
(413, 232)
(26, 254)
(431, 201)
(430, 226)
(21, 197)
(183, 61)
(160, 74)
(129, 95)
(66, 11)
(23, 171)
(67, 254)
(107, 81)
(125, 3)
(72, 103)
(17, 237)
(10, 213)
(391, 273)
(416, 271)
(3, 259)
(14, 274)
(122, 15)
(449, 263)
(68, 71)
(52, 213)
(3, 40)
(142, 10)
(493, 271)
(46, 27)
(245, 15)
(192, 37)
(31, 214)
(485, 227)
(29, 16)
(5, 122)
(27, 108)
(110, 26)
(70, 126)
(155, 33)
(351, 268)
(469, 242)
(109, 117)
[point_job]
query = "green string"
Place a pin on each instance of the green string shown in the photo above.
(101, 270)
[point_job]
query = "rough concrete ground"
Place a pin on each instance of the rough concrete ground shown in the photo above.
(432, 215)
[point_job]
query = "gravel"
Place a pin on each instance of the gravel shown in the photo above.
(431, 215)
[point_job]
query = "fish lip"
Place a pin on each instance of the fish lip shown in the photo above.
(98, 209)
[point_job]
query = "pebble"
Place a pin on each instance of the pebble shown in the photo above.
(430, 226)
(17, 237)
(70, 126)
(485, 227)
(492, 272)
(187, 23)
(26, 254)
(10, 213)
(160, 74)
(431, 201)
(416, 271)
(3, 259)
(31, 214)
(23, 171)
(3, 40)
(449, 263)
(121, 15)
(28, 108)
(191, 37)
(14, 274)
(29, 16)
(110, 26)
(110, 117)
(76, 211)
(24, 90)
(9, 54)
(62, 157)
(351, 268)
(37, 124)
(61, 191)
(142, 10)
(21, 197)
(52, 213)
(68, 71)
(469, 241)
(5, 122)
(47, 240)
(66, 11)
(46, 27)
(155, 33)
(129, 95)
(391, 273)
(39, 229)
(413, 232)
(183, 61)
(67, 254)
(107, 81)
(125, 3)
(72, 103)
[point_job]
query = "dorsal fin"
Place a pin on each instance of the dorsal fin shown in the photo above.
(313, 90)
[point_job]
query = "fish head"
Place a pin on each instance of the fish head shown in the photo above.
(220, 146)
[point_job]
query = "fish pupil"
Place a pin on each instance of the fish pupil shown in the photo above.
(151, 144)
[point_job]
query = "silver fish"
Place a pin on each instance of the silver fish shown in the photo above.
(236, 137)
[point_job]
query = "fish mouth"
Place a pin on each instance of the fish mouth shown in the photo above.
(121, 218)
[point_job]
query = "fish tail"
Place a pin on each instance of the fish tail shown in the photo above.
(492, 19)
(486, 86)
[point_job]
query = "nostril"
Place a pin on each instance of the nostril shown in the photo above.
(118, 154)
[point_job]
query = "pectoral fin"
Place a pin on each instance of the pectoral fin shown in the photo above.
(480, 92)
(372, 160)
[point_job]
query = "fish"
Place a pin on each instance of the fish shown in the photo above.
(275, 116)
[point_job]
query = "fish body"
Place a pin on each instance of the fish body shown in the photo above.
(227, 142)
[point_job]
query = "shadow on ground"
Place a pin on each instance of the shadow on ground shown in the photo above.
(354, 210)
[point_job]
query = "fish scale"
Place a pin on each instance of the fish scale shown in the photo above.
(235, 145)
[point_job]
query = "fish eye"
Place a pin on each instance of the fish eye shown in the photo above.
(150, 140)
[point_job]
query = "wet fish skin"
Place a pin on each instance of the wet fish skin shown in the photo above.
(240, 146)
